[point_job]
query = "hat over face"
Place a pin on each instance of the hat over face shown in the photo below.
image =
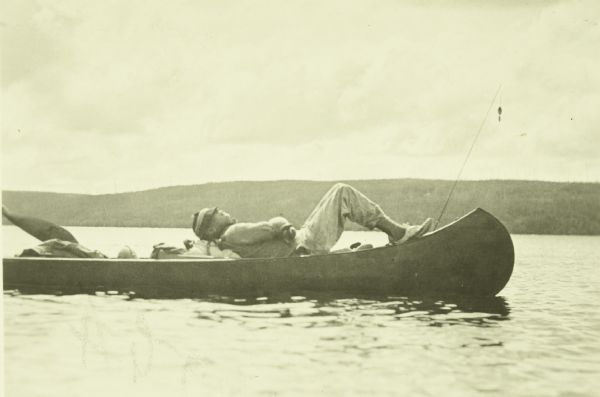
(201, 221)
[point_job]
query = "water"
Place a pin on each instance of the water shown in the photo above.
(540, 337)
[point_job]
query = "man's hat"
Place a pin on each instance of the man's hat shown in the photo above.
(126, 253)
(201, 220)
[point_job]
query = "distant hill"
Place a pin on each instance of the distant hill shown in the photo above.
(529, 207)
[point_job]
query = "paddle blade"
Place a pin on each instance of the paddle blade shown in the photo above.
(39, 228)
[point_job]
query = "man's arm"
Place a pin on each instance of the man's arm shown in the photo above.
(253, 233)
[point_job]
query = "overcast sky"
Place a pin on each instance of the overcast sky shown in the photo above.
(109, 96)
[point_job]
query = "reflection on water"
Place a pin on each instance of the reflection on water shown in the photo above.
(323, 310)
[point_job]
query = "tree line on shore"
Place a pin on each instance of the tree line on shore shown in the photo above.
(527, 207)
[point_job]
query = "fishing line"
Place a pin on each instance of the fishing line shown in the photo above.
(467, 157)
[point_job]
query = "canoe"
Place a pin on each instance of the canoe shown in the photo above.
(473, 255)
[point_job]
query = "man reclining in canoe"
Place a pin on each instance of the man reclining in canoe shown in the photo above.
(321, 230)
(273, 238)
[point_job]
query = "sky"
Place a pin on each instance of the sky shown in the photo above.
(112, 96)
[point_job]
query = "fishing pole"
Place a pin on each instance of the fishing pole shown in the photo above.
(469, 154)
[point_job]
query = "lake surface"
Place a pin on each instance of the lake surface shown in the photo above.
(539, 337)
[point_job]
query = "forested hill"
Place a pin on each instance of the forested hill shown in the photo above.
(523, 206)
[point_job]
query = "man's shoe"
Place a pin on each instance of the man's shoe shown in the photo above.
(416, 231)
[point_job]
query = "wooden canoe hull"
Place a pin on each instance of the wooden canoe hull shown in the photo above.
(471, 256)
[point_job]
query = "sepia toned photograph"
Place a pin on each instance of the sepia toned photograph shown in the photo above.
(300, 198)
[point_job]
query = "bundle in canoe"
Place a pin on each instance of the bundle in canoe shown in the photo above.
(472, 256)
